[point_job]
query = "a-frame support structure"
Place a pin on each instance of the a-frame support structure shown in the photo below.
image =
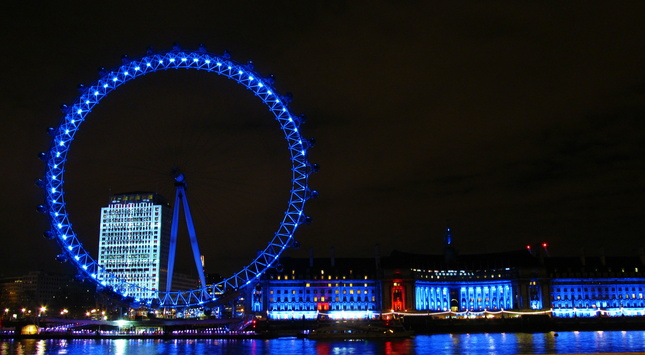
(182, 199)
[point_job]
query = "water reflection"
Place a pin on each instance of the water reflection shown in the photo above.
(454, 344)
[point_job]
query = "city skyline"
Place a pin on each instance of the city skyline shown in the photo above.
(514, 124)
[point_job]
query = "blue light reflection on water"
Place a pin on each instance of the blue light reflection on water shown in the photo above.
(454, 344)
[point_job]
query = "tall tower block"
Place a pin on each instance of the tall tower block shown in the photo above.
(134, 240)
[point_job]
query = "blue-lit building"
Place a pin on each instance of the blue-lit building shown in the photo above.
(133, 242)
(597, 286)
(465, 284)
(525, 281)
(320, 287)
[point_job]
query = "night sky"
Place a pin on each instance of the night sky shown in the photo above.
(511, 122)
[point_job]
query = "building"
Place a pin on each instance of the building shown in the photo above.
(12, 295)
(40, 292)
(308, 288)
(464, 284)
(596, 286)
(514, 283)
(133, 243)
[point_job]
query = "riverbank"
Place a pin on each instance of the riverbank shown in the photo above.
(525, 324)
(295, 328)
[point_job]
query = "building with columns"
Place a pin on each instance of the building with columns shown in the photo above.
(524, 281)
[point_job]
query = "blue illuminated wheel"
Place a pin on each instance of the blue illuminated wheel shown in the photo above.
(76, 113)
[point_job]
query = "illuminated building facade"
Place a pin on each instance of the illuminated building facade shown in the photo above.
(134, 240)
(597, 286)
(313, 288)
(469, 283)
(526, 281)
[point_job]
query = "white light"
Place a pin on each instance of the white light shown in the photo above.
(126, 73)
(87, 102)
(61, 143)
(250, 78)
(172, 59)
(115, 79)
(137, 68)
(261, 85)
(69, 247)
(105, 85)
(67, 131)
(96, 93)
(183, 59)
(53, 190)
(64, 236)
(84, 267)
(57, 154)
(148, 64)
(208, 61)
(79, 111)
(195, 60)
(59, 226)
(77, 258)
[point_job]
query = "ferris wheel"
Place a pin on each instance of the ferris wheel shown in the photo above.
(55, 206)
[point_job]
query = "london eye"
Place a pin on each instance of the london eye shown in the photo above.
(244, 75)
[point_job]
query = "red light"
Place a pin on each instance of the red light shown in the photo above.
(544, 245)
(528, 247)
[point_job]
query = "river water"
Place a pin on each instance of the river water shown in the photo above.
(615, 342)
